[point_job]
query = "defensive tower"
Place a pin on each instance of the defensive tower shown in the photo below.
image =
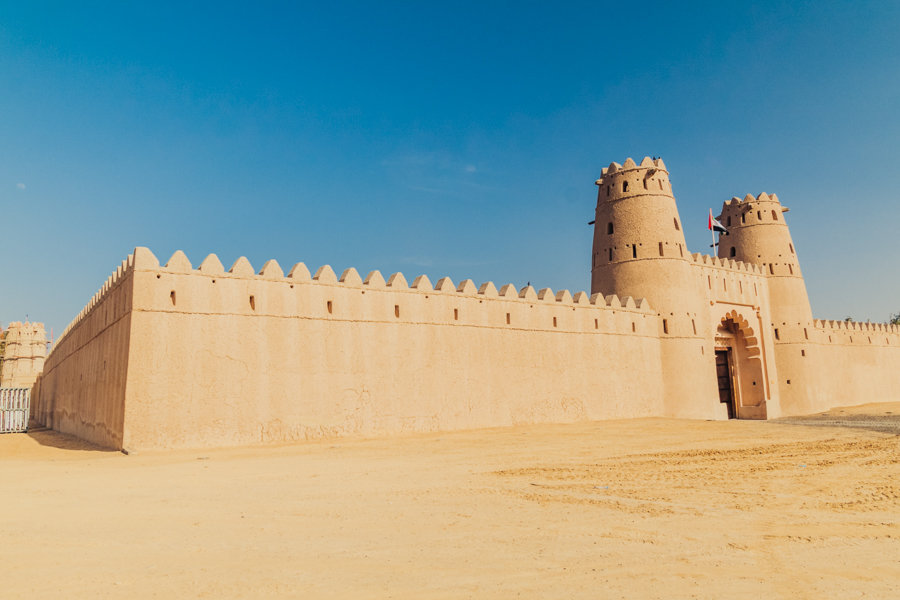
(639, 251)
(759, 234)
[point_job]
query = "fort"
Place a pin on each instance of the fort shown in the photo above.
(171, 356)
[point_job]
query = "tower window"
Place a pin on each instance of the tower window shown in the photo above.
(397, 311)
(554, 321)
(456, 314)
(634, 251)
(645, 184)
(661, 253)
(330, 307)
(660, 184)
(609, 228)
(774, 216)
(777, 337)
(665, 326)
(608, 188)
(624, 186)
(677, 226)
(610, 254)
(507, 318)
(729, 221)
(791, 246)
(733, 251)
(252, 303)
(771, 268)
(759, 215)
(172, 297)
(743, 217)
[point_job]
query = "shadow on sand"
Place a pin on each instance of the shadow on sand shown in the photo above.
(47, 437)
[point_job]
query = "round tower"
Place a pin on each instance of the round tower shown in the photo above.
(759, 234)
(639, 251)
(639, 247)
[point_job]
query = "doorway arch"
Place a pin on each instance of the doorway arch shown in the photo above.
(737, 348)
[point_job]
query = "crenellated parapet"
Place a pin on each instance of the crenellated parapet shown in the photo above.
(856, 333)
(631, 179)
(300, 277)
(112, 283)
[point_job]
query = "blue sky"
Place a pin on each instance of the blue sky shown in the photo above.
(459, 139)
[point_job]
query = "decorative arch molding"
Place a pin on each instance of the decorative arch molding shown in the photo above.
(741, 324)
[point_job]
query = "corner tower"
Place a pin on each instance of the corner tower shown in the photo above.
(639, 251)
(758, 234)
(639, 247)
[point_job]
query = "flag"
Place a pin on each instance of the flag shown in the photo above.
(715, 225)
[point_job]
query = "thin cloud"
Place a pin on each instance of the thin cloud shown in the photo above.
(471, 168)
(21, 186)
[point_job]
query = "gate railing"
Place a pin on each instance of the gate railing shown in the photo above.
(14, 409)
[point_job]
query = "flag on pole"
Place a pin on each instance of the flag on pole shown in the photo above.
(714, 225)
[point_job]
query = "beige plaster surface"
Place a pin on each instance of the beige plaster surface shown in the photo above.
(644, 508)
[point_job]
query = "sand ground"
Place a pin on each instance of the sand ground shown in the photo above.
(650, 508)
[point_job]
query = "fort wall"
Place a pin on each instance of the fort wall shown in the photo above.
(224, 358)
(82, 389)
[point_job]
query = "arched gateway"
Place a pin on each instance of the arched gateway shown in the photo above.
(739, 368)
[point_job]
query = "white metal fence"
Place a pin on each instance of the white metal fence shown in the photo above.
(14, 409)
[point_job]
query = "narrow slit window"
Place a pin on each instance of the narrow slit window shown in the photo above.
(252, 302)
(624, 186)
(660, 184)
(609, 228)
(507, 319)
(172, 297)
(330, 307)
(677, 226)
(634, 251)
(777, 337)
(694, 325)
(759, 215)
(554, 321)
(661, 253)
(733, 251)
(791, 268)
(802, 352)
(709, 281)
(771, 268)
(791, 246)
(397, 311)
(610, 254)
(665, 326)
(681, 250)
(456, 314)
(729, 221)
(596, 324)
(633, 327)
(743, 217)
(645, 184)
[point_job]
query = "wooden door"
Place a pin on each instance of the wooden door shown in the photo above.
(723, 373)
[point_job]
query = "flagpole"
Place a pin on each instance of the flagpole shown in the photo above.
(712, 232)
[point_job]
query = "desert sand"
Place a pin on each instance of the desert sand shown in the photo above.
(649, 508)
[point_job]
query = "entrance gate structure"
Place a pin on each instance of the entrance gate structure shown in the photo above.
(742, 383)
(14, 409)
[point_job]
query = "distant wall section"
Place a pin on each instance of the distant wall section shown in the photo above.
(82, 389)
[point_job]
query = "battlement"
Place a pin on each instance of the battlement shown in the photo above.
(740, 211)
(631, 179)
(726, 263)
(112, 282)
(211, 267)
